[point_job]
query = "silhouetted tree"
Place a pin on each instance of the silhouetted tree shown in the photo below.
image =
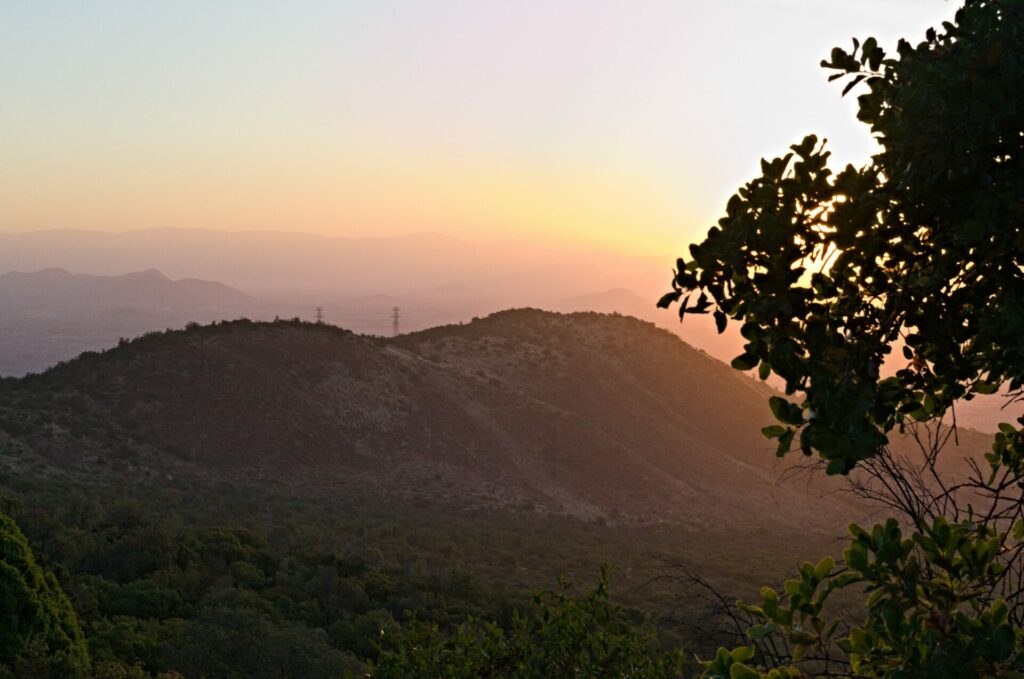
(827, 273)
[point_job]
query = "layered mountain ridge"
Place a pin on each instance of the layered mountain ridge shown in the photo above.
(603, 417)
(55, 290)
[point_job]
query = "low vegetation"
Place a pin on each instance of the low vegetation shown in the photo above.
(222, 581)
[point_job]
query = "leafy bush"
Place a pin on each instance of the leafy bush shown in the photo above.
(560, 636)
(39, 632)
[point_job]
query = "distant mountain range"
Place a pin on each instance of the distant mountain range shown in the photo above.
(57, 291)
(434, 279)
(52, 315)
(595, 416)
(260, 262)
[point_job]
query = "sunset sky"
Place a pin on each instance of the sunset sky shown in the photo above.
(615, 125)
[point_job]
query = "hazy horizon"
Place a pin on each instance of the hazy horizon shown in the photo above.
(458, 157)
(435, 279)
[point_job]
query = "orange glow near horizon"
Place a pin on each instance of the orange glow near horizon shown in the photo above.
(364, 195)
(485, 121)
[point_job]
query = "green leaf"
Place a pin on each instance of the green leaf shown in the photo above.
(824, 567)
(802, 638)
(856, 557)
(741, 671)
(844, 580)
(853, 83)
(784, 411)
(668, 298)
(836, 467)
(985, 388)
(745, 362)
(770, 601)
(779, 406)
(785, 442)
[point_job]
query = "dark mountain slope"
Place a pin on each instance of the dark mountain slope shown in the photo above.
(584, 414)
(614, 371)
(683, 424)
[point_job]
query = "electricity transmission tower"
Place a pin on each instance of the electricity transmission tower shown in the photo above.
(319, 315)
(394, 322)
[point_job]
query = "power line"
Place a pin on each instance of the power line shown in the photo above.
(394, 322)
(319, 315)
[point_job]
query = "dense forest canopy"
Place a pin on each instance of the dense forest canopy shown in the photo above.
(173, 545)
(40, 633)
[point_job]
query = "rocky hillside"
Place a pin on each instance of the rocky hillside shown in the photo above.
(597, 416)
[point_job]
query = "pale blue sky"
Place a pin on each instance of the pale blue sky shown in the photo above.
(618, 124)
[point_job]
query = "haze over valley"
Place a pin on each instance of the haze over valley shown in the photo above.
(70, 291)
(128, 284)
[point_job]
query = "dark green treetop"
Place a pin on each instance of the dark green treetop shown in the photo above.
(39, 631)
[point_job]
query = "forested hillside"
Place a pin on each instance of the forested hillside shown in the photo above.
(214, 497)
(586, 415)
(306, 490)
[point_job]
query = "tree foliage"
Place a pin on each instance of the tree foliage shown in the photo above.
(185, 577)
(561, 636)
(827, 272)
(39, 632)
(929, 610)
